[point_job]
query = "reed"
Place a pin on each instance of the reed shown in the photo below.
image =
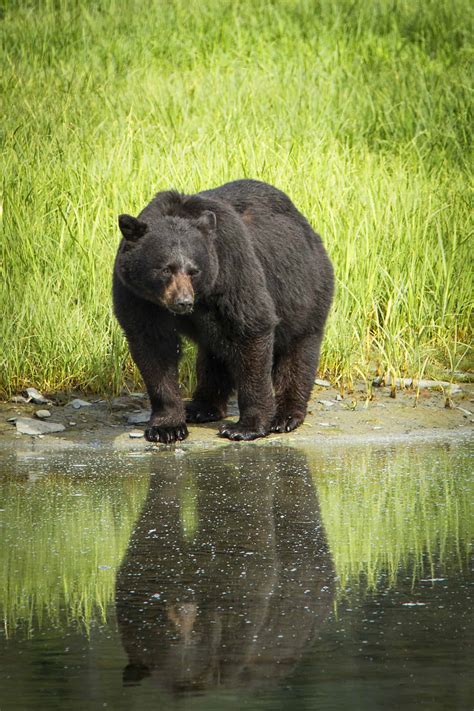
(359, 110)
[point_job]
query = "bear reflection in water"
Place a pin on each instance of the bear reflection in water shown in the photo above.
(228, 576)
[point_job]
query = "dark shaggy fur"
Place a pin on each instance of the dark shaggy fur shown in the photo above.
(241, 272)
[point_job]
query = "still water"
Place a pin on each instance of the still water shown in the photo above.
(249, 577)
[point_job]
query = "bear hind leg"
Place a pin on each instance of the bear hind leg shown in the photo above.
(293, 379)
(214, 386)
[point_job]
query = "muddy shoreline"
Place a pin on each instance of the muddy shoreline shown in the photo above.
(331, 420)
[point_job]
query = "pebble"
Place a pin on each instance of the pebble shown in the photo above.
(138, 418)
(36, 396)
(26, 425)
(135, 435)
(43, 414)
(322, 383)
(77, 404)
(19, 398)
(326, 403)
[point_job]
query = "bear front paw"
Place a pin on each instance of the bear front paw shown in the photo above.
(197, 411)
(238, 432)
(286, 422)
(166, 434)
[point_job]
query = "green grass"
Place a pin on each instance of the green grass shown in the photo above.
(360, 110)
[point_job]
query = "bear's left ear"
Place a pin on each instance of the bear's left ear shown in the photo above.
(207, 222)
(131, 228)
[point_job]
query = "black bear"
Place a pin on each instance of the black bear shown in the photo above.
(241, 272)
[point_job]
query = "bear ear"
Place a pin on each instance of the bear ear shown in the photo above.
(207, 222)
(131, 228)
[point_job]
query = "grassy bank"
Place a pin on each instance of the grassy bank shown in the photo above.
(359, 110)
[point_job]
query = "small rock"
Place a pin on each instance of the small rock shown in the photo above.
(120, 403)
(138, 418)
(431, 383)
(322, 383)
(26, 425)
(77, 404)
(72, 423)
(326, 424)
(135, 435)
(454, 389)
(326, 403)
(43, 414)
(36, 396)
(19, 399)
(12, 419)
(339, 397)
(466, 413)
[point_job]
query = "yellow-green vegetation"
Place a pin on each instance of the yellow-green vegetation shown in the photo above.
(394, 509)
(63, 538)
(359, 109)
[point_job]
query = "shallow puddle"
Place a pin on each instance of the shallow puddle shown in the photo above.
(250, 577)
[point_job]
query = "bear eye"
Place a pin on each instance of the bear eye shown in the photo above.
(166, 271)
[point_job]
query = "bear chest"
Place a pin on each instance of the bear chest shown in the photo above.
(204, 327)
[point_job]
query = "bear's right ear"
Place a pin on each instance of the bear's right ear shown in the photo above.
(131, 228)
(207, 222)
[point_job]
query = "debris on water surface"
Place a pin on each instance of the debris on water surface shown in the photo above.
(322, 383)
(414, 604)
(135, 434)
(35, 396)
(26, 425)
(43, 414)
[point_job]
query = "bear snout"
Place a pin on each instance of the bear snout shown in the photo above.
(178, 296)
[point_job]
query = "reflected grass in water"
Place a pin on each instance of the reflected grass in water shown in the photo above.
(393, 508)
(383, 509)
(63, 538)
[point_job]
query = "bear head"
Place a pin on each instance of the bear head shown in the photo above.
(170, 261)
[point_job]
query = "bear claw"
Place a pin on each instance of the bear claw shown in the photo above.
(166, 435)
(286, 423)
(239, 433)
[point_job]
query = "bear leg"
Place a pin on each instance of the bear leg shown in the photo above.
(157, 362)
(253, 369)
(214, 385)
(293, 379)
